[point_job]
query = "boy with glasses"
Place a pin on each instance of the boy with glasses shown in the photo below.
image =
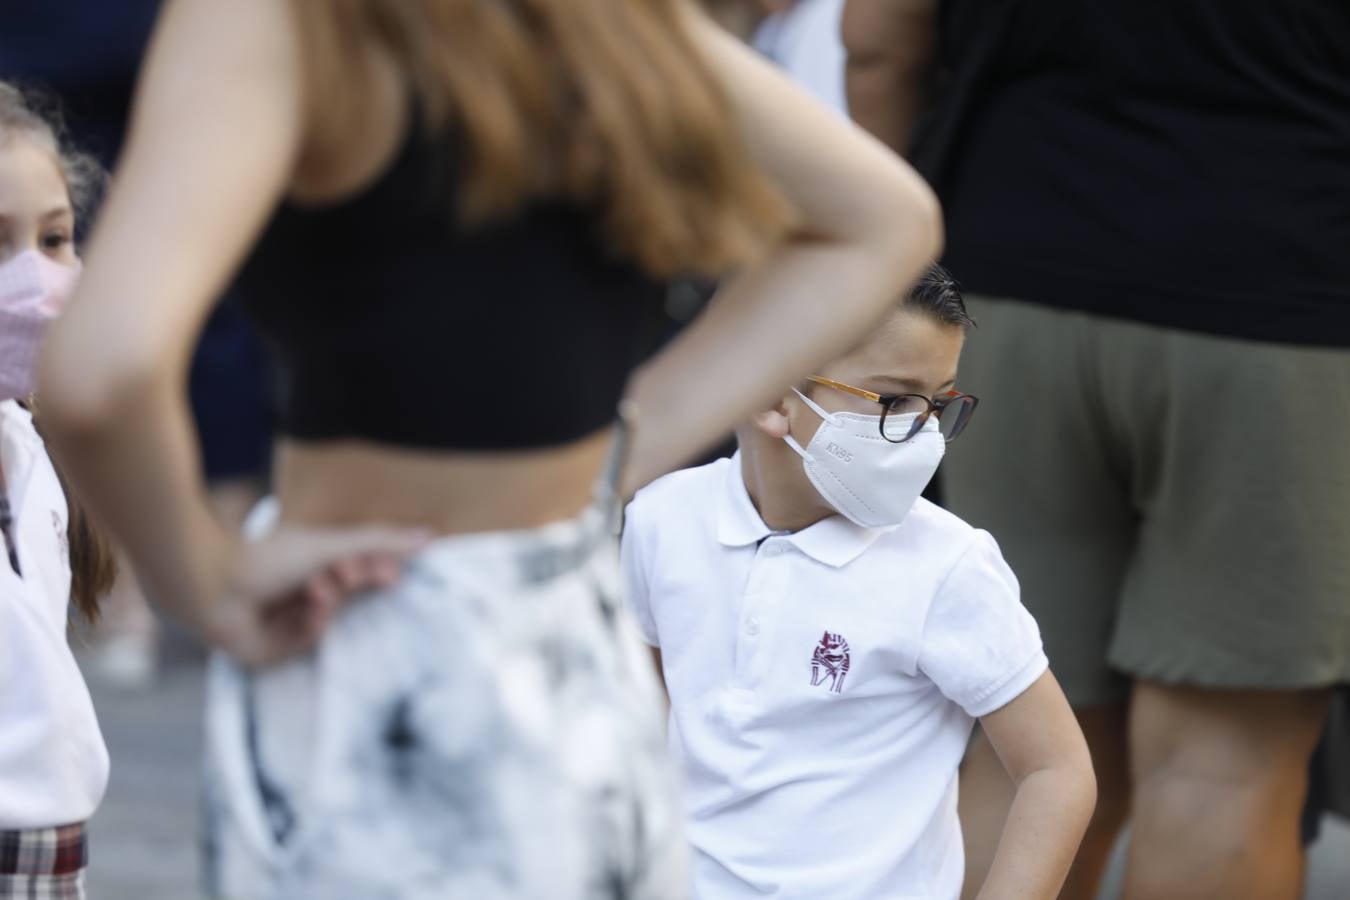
(828, 639)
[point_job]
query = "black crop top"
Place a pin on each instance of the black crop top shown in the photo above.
(395, 326)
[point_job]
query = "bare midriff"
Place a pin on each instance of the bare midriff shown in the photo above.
(337, 483)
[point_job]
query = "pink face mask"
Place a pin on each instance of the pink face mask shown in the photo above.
(33, 291)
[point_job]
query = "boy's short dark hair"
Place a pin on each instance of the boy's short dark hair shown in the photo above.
(939, 294)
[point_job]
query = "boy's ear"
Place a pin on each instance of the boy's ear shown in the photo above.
(773, 422)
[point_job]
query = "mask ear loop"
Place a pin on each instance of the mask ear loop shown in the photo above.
(792, 442)
(824, 416)
(811, 405)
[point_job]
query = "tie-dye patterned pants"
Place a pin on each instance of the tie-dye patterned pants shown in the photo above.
(488, 728)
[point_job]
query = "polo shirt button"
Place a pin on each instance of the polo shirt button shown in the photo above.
(751, 627)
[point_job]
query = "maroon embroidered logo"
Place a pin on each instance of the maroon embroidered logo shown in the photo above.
(830, 660)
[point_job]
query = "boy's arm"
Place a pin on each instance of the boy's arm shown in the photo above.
(1039, 741)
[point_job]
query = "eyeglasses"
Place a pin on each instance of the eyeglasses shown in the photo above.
(953, 409)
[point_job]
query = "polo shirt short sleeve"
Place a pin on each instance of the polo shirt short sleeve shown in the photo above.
(980, 645)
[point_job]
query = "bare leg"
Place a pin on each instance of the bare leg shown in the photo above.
(1105, 730)
(1220, 780)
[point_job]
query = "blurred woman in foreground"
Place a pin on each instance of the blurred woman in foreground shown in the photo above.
(453, 218)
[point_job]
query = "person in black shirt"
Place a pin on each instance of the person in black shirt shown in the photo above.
(1146, 206)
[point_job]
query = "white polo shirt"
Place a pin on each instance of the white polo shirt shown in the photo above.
(53, 763)
(823, 685)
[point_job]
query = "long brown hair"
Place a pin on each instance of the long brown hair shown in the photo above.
(604, 102)
(93, 565)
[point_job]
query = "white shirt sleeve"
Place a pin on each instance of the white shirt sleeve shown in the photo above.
(980, 645)
(636, 589)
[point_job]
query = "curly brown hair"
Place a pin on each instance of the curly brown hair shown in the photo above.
(37, 116)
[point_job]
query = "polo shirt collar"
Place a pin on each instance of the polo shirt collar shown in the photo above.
(834, 541)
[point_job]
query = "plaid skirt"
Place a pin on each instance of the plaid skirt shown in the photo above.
(489, 727)
(43, 863)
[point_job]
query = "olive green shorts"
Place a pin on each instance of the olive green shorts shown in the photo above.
(1175, 505)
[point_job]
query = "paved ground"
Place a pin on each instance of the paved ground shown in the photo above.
(144, 841)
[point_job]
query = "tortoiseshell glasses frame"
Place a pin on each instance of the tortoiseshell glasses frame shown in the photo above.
(953, 409)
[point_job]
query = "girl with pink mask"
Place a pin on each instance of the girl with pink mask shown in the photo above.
(53, 763)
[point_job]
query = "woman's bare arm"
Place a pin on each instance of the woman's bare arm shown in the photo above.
(213, 137)
(215, 133)
(868, 226)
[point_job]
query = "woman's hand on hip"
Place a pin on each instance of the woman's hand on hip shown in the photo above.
(282, 591)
